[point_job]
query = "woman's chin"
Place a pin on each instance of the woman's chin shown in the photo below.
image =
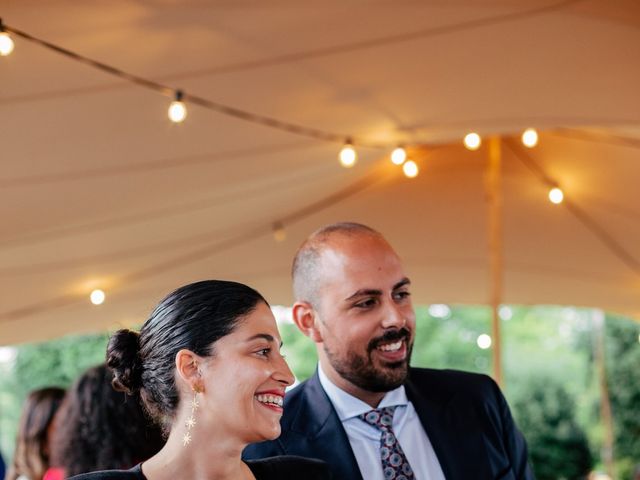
(265, 434)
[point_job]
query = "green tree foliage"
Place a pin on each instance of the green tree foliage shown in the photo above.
(299, 351)
(446, 338)
(558, 446)
(55, 363)
(548, 369)
(623, 376)
(58, 362)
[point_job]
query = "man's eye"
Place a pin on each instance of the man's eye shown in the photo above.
(368, 303)
(402, 295)
(264, 352)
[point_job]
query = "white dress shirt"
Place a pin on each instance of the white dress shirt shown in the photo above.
(365, 438)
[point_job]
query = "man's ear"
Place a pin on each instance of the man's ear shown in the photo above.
(188, 368)
(306, 319)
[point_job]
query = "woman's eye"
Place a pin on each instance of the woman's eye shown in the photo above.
(264, 352)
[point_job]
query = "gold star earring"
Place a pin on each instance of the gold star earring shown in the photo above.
(191, 421)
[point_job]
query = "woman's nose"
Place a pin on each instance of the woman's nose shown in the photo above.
(283, 373)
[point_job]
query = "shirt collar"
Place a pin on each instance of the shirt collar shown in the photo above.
(347, 406)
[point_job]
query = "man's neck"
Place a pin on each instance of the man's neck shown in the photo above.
(372, 399)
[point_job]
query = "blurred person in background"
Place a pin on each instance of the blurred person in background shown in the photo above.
(98, 428)
(32, 453)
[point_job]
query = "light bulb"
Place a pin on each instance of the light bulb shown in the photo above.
(484, 341)
(97, 297)
(177, 110)
(555, 195)
(472, 141)
(348, 155)
(410, 169)
(530, 137)
(6, 44)
(398, 156)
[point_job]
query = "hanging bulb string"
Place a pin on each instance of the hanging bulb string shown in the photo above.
(583, 217)
(370, 43)
(221, 108)
(163, 89)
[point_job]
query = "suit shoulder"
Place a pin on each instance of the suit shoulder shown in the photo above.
(289, 466)
(453, 381)
(294, 395)
(297, 403)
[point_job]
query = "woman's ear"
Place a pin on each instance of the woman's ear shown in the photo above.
(188, 368)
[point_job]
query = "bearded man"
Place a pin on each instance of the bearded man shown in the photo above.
(366, 412)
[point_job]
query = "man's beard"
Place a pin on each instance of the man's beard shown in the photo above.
(361, 371)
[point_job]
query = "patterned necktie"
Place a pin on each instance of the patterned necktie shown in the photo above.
(395, 465)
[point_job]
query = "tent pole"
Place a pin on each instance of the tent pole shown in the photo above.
(494, 198)
(598, 322)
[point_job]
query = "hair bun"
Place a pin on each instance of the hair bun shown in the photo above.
(124, 361)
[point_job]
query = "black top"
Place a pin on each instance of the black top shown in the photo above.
(286, 467)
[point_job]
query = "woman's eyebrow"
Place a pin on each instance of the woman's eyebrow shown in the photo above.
(264, 336)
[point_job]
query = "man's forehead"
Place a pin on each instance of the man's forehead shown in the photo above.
(370, 259)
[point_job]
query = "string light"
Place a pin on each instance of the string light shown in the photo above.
(398, 156)
(530, 137)
(484, 341)
(348, 155)
(410, 169)
(555, 195)
(472, 141)
(97, 297)
(6, 43)
(177, 110)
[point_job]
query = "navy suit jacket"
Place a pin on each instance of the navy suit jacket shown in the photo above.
(464, 414)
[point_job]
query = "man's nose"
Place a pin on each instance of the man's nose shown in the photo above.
(394, 316)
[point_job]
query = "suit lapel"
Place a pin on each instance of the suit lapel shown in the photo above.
(317, 428)
(451, 426)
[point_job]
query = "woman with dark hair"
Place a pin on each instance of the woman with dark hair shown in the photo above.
(98, 428)
(31, 458)
(207, 366)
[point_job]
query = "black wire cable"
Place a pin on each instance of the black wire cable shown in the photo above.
(272, 122)
(221, 108)
(355, 46)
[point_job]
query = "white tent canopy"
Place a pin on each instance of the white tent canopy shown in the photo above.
(100, 190)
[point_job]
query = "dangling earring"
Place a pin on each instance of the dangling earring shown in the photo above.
(191, 421)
